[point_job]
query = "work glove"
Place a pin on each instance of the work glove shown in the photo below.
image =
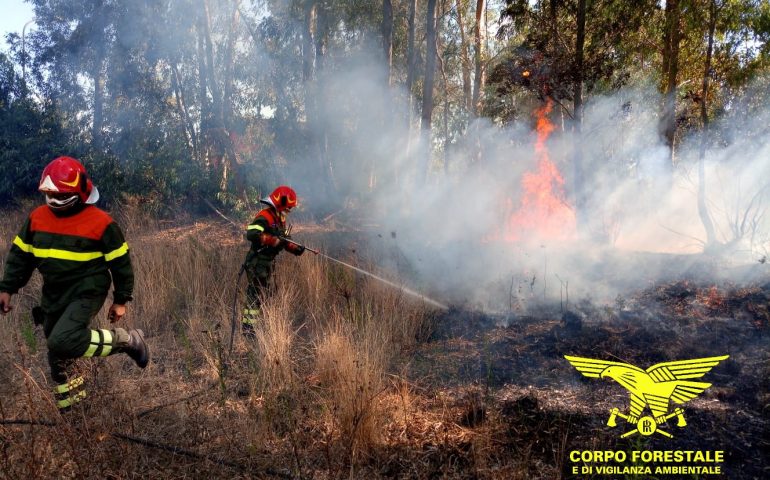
(294, 248)
(269, 240)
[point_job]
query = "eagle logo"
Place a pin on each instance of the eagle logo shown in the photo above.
(655, 388)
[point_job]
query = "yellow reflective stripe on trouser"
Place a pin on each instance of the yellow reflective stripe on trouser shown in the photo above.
(250, 316)
(100, 338)
(69, 401)
(107, 345)
(56, 253)
(118, 252)
(256, 227)
(71, 385)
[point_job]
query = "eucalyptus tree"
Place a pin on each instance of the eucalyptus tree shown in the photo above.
(30, 132)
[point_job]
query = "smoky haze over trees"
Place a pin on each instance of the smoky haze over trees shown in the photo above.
(409, 108)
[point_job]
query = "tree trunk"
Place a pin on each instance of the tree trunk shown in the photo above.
(217, 141)
(205, 105)
(227, 97)
(325, 162)
(183, 111)
(97, 74)
(703, 212)
(577, 94)
(320, 37)
(308, 50)
(410, 56)
(387, 35)
(313, 56)
(552, 15)
(213, 86)
(478, 34)
(672, 38)
(410, 74)
(466, 61)
(227, 103)
(98, 77)
(478, 79)
(445, 112)
(427, 90)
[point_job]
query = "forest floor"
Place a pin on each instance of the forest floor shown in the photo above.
(350, 379)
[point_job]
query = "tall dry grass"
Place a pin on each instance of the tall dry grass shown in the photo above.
(308, 388)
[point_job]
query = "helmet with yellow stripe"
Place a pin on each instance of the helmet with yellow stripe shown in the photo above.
(65, 181)
(283, 199)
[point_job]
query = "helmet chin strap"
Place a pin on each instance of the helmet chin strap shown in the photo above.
(59, 205)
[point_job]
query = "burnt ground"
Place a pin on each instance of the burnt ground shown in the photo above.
(509, 373)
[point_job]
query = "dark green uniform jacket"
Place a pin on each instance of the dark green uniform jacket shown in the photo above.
(75, 253)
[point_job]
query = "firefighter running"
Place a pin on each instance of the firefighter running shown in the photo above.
(79, 250)
(268, 236)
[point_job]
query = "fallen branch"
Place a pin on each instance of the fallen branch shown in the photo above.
(160, 446)
(239, 227)
(180, 400)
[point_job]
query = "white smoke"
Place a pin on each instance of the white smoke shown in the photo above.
(642, 221)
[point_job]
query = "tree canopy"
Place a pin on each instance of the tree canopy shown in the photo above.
(181, 100)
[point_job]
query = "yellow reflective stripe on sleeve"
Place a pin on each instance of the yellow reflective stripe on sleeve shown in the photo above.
(107, 343)
(248, 321)
(94, 344)
(20, 243)
(72, 384)
(71, 400)
(118, 252)
(256, 227)
(56, 253)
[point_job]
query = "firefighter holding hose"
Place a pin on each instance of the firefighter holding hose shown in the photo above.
(268, 236)
(80, 251)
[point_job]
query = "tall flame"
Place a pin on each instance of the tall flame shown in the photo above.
(543, 212)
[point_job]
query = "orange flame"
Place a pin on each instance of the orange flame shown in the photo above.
(543, 212)
(712, 298)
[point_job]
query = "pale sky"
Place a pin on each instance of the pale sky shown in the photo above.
(13, 15)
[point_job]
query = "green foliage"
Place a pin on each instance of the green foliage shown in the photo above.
(175, 101)
(540, 55)
(29, 134)
(622, 46)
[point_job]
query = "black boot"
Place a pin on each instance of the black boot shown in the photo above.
(137, 349)
(247, 330)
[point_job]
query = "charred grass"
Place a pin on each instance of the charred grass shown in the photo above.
(346, 378)
(535, 408)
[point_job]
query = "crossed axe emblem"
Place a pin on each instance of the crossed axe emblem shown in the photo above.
(647, 425)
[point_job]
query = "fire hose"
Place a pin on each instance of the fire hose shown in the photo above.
(401, 288)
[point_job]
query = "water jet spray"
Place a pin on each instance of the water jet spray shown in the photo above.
(401, 288)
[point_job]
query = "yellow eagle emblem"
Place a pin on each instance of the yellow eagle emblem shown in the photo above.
(655, 388)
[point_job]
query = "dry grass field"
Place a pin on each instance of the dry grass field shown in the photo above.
(348, 378)
(313, 391)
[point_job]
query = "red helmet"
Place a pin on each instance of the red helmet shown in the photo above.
(67, 175)
(283, 199)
